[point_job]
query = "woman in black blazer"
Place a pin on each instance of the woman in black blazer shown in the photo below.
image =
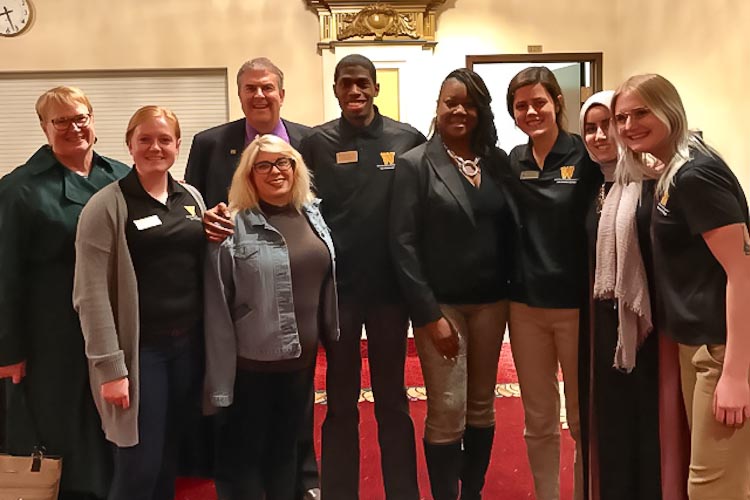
(449, 223)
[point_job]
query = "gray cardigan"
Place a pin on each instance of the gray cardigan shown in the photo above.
(249, 307)
(105, 294)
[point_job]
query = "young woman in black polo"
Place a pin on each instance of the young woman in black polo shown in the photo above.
(701, 258)
(553, 183)
(139, 295)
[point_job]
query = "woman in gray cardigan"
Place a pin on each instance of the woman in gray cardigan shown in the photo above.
(270, 297)
(139, 295)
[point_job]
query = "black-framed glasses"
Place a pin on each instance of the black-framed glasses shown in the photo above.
(64, 123)
(283, 163)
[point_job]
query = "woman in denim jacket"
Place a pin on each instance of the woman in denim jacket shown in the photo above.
(270, 295)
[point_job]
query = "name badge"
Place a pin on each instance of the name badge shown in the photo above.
(528, 175)
(347, 157)
(147, 222)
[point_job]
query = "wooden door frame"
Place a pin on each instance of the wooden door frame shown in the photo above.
(595, 58)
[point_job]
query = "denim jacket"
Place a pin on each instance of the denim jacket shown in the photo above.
(249, 307)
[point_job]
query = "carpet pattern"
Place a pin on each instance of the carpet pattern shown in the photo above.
(508, 477)
(507, 386)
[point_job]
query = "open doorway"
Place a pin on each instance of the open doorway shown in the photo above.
(579, 75)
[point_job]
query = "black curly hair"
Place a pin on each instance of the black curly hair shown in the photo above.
(484, 136)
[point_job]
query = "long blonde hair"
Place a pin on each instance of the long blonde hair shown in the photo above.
(243, 194)
(662, 98)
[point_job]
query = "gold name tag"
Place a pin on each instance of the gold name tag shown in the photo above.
(529, 175)
(347, 157)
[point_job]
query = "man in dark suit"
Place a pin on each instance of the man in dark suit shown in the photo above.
(213, 159)
(215, 152)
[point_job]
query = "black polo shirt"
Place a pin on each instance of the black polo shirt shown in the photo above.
(353, 173)
(550, 206)
(690, 283)
(165, 243)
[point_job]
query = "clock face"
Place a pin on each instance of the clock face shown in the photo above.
(15, 16)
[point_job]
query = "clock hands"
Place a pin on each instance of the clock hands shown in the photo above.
(7, 14)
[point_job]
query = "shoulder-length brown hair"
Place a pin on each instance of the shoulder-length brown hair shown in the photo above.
(544, 76)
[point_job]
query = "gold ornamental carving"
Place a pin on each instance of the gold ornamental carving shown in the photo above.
(377, 20)
(346, 22)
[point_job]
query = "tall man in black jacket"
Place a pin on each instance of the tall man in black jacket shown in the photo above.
(353, 160)
(213, 159)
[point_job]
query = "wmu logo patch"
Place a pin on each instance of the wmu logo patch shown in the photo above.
(389, 160)
(190, 209)
(566, 175)
(662, 205)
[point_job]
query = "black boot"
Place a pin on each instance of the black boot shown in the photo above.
(443, 467)
(476, 459)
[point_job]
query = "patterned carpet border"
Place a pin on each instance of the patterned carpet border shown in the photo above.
(506, 390)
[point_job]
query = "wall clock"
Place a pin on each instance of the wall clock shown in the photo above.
(15, 16)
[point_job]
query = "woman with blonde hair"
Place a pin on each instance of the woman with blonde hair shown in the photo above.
(41, 347)
(139, 296)
(270, 297)
(701, 258)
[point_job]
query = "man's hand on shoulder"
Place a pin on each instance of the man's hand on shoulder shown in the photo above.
(217, 223)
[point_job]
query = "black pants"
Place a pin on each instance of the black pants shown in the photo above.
(307, 466)
(626, 409)
(386, 327)
(169, 372)
(257, 443)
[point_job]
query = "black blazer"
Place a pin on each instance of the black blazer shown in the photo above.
(433, 225)
(215, 153)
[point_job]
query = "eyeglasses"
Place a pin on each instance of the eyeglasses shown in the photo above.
(283, 163)
(63, 124)
(635, 115)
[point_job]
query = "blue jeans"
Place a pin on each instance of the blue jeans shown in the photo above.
(169, 373)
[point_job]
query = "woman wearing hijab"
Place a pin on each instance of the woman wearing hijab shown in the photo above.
(624, 395)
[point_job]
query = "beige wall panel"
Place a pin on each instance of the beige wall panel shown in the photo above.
(149, 34)
(703, 48)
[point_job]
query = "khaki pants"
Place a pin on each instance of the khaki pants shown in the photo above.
(719, 454)
(462, 392)
(539, 339)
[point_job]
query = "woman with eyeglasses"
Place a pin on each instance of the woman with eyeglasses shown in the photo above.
(701, 262)
(41, 347)
(270, 297)
(138, 292)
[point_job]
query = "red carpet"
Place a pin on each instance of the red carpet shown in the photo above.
(508, 477)
(506, 372)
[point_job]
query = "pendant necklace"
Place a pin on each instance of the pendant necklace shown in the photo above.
(600, 198)
(470, 168)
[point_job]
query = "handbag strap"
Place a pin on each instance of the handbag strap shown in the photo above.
(33, 426)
